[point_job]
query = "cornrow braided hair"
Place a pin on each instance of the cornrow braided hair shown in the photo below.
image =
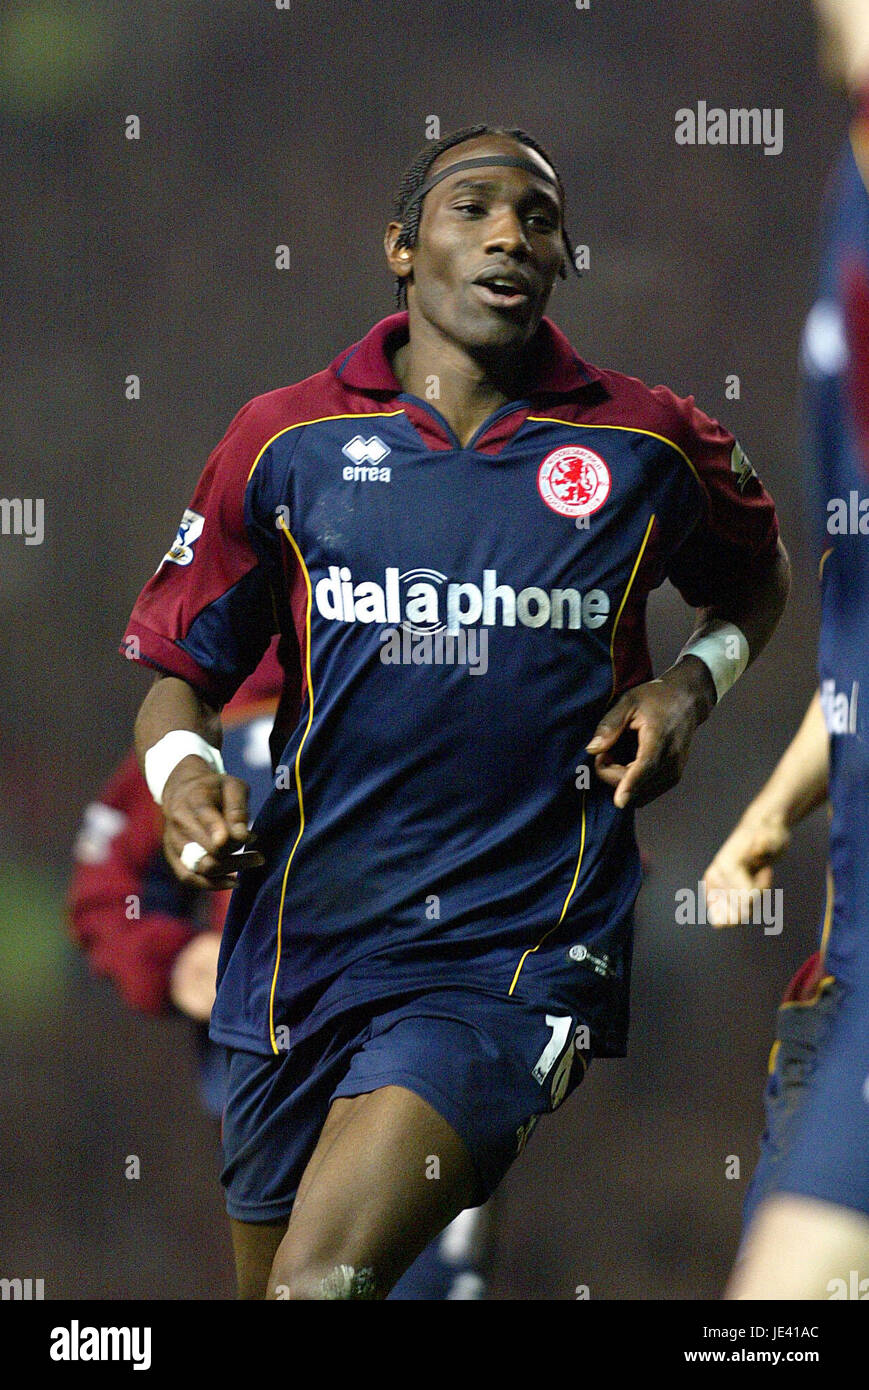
(408, 208)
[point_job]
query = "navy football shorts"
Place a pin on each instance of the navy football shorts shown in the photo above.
(828, 1157)
(801, 1029)
(816, 1141)
(489, 1065)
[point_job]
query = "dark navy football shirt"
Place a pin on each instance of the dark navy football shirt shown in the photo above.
(455, 621)
(836, 374)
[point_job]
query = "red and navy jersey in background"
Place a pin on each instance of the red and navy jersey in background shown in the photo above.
(433, 823)
(126, 909)
(836, 382)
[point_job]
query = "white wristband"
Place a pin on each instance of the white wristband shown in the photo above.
(167, 753)
(724, 649)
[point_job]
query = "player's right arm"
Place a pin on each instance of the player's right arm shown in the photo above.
(203, 621)
(743, 864)
(199, 804)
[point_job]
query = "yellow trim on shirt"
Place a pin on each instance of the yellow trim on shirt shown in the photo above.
(532, 949)
(627, 429)
(828, 912)
(361, 415)
(274, 1043)
(625, 599)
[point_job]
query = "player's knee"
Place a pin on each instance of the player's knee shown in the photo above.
(313, 1280)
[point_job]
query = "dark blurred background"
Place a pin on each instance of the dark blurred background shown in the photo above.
(263, 126)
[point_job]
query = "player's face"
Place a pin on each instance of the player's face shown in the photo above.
(488, 249)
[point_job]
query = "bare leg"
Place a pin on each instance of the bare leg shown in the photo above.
(254, 1246)
(387, 1175)
(798, 1248)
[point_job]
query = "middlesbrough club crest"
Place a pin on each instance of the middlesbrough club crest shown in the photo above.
(574, 481)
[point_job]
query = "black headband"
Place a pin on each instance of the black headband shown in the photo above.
(514, 162)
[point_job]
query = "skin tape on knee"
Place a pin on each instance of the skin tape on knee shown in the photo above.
(347, 1282)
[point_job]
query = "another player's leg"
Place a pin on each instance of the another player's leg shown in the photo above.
(387, 1175)
(455, 1266)
(254, 1246)
(802, 1248)
(810, 1237)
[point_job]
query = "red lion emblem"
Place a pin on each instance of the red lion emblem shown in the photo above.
(574, 481)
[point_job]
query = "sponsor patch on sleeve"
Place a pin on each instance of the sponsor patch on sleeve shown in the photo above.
(741, 465)
(181, 550)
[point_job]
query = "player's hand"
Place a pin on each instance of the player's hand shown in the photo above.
(655, 723)
(742, 867)
(201, 805)
(193, 981)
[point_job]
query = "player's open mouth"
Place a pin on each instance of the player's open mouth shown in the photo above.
(501, 296)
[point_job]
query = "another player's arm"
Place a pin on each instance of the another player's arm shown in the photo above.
(198, 803)
(664, 714)
(742, 865)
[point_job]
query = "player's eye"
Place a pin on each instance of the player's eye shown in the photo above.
(471, 208)
(542, 221)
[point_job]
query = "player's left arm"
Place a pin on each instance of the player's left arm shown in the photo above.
(720, 547)
(664, 714)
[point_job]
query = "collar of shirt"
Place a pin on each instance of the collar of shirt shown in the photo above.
(554, 368)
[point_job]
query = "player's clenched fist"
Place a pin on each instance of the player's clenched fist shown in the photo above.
(206, 808)
(742, 868)
(663, 716)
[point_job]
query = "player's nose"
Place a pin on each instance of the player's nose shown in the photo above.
(506, 233)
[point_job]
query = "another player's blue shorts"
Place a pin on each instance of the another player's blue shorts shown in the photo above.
(828, 1157)
(801, 1028)
(816, 1141)
(489, 1065)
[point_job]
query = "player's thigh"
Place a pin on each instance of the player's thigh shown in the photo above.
(802, 1248)
(254, 1245)
(387, 1175)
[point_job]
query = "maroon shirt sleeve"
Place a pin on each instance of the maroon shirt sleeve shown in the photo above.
(207, 614)
(736, 536)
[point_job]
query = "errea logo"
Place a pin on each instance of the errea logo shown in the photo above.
(366, 456)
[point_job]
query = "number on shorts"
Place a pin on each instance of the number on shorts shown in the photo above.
(562, 1026)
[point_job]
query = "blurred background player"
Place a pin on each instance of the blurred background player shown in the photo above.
(155, 938)
(807, 1210)
(158, 941)
(741, 869)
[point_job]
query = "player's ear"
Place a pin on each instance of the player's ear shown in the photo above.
(399, 258)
